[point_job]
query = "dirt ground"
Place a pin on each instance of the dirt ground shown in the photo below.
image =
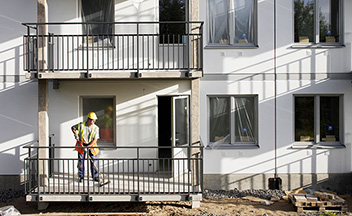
(234, 206)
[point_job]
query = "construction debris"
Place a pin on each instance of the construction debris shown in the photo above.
(318, 202)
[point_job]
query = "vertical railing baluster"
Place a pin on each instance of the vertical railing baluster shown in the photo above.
(138, 183)
(173, 51)
(178, 51)
(142, 52)
(163, 51)
(148, 62)
(28, 52)
(118, 52)
(123, 176)
(103, 51)
(168, 51)
(128, 52)
(87, 44)
(123, 52)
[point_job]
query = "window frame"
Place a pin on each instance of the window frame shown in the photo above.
(252, 45)
(233, 144)
(114, 114)
(317, 135)
(110, 43)
(316, 30)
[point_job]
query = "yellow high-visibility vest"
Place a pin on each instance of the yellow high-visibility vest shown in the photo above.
(92, 134)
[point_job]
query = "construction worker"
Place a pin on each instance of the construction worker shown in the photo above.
(87, 135)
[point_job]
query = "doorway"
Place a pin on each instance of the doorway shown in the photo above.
(173, 131)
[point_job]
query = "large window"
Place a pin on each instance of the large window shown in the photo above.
(100, 15)
(104, 108)
(317, 21)
(232, 121)
(317, 119)
(232, 22)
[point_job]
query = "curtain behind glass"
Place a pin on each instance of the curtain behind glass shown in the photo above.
(243, 21)
(244, 120)
(218, 25)
(220, 119)
(329, 119)
(231, 21)
(97, 11)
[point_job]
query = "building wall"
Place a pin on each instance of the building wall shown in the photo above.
(237, 71)
(18, 96)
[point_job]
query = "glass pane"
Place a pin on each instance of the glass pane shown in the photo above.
(329, 21)
(172, 10)
(181, 121)
(244, 120)
(304, 21)
(218, 22)
(103, 107)
(241, 21)
(98, 11)
(220, 119)
(304, 119)
(329, 119)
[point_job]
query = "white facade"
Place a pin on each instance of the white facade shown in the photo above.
(300, 71)
(227, 72)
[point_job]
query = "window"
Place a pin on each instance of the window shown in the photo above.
(232, 121)
(98, 11)
(317, 21)
(317, 119)
(232, 22)
(104, 108)
(172, 10)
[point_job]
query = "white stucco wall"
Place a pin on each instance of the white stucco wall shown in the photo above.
(240, 71)
(18, 96)
(136, 112)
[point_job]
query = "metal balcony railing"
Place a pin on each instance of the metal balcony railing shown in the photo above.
(139, 172)
(131, 46)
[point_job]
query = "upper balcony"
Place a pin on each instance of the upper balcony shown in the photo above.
(131, 50)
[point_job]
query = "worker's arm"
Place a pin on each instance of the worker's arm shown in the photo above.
(92, 143)
(75, 131)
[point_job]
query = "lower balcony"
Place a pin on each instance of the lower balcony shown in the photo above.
(127, 50)
(136, 177)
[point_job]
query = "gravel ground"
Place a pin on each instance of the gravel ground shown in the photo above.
(215, 203)
(222, 194)
(8, 195)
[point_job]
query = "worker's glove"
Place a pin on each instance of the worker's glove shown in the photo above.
(76, 137)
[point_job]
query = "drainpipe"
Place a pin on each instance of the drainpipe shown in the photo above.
(276, 182)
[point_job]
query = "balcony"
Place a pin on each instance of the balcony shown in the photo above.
(133, 50)
(138, 175)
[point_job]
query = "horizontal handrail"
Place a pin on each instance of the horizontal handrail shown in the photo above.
(135, 175)
(130, 47)
(117, 147)
(140, 22)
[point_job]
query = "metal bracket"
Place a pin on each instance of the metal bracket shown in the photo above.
(189, 198)
(139, 198)
(189, 74)
(138, 75)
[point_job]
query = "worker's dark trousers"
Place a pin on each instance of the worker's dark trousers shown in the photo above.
(82, 161)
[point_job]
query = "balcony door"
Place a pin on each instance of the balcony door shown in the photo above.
(173, 124)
